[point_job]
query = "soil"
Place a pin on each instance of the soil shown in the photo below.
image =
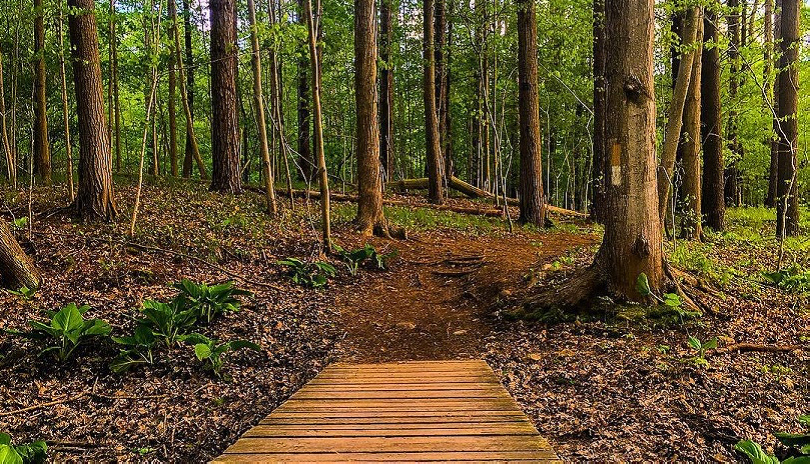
(599, 387)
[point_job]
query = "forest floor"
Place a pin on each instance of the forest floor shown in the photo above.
(602, 385)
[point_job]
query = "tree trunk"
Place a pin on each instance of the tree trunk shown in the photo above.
(187, 89)
(42, 152)
(116, 95)
(370, 219)
(598, 168)
(95, 194)
(440, 49)
(386, 90)
(258, 100)
(787, 206)
(224, 120)
(532, 200)
(731, 174)
(714, 201)
(632, 243)
(173, 93)
(304, 140)
(17, 270)
(691, 227)
(65, 104)
(672, 135)
(432, 136)
(7, 149)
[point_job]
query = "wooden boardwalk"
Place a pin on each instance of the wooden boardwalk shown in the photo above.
(414, 411)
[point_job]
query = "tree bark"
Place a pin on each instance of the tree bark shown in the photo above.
(304, 118)
(532, 199)
(691, 226)
(11, 165)
(787, 206)
(674, 125)
(116, 95)
(95, 199)
(173, 93)
(772, 33)
(65, 104)
(731, 174)
(370, 219)
(224, 120)
(632, 243)
(386, 90)
(258, 100)
(42, 152)
(714, 201)
(17, 270)
(432, 136)
(187, 89)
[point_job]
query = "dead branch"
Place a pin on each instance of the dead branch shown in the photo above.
(66, 399)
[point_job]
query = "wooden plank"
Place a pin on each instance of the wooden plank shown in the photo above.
(389, 445)
(393, 416)
(475, 456)
(277, 431)
(331, 386)
(522, 425)
(308, 394)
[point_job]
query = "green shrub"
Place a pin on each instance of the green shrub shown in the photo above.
(166, 320)
(139, 349)
(29, 453)
(793, 279)
(355, 259)
(206, 302)
(212, 352)
(66, 330)
(797, 444)
(314, 275)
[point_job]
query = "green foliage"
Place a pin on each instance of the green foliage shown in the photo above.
(700, 349)
(24, 293)
(29, 453)
(66, 330)
(20, 223)
(797, 444)
(138, 349)
(166, 320)
(355, 259)
(643, 285)
(314, 275)
(793, 279)
(206, 302)
(212, 352)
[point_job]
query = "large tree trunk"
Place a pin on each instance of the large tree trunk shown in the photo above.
(440, 48)
(17, 270)
(632, 243)
(370, 219)
(95, 194)
(772, 34)
(224, 120)
(258, 101)
(42, 152)
(691, 227)
(532, 200)
(672, 135)
(787, 205)
(432, 136)
(386, 91)
(714, 202)
(598, 167)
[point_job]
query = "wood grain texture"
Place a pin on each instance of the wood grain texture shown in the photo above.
(398, 412)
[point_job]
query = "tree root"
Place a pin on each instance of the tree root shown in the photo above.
(753, 347)
(570, 294)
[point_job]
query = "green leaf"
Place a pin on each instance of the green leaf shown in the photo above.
(643, 285)
(202, 350)
(796, 440)
(5, 439)
(711, 344)
(695, 343)
(755, 453)
(797, 460)
(9, 456)
(239, 344)
(68, 319)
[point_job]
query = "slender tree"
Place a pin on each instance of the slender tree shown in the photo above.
(115, 99)
(42, 151)
(713, 200)
(304, 142)
(772, 32)
(224, 123)
(173, 93)
(732, 186)
(692, 187)
(258, 97)
(386, 90)
(432, 136)
(532, 199)
(598, 167)
(187, 89)
(95, 198)
(8, 150)
(787, 205)
(370, 218)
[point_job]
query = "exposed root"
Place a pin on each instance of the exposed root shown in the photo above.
(584, 284)
(753, 347)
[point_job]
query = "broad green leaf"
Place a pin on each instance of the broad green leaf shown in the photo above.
(755, 453)
(643, 285)
(9, 456)
(695, 343)
(202, 350)
(711, 344)
(68, 319)
(796, 440)
(5, 439)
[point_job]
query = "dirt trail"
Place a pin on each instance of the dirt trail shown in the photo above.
(435, 302)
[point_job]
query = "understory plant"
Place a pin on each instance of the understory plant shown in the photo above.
(212, 352)
(138, 349)
(314, 275)
(797, 447)
(207, 302)
(793, 279)
(28, 453)
(166, 320)
(66, 330)
(700, 348)
(355, 259)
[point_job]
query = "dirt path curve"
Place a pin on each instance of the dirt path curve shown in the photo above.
(435, 301)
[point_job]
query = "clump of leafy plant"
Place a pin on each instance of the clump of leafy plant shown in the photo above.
(166, 320)
(797, 447)
(700, 349)
(66, 330)
(314, 275)
(212, 352)
(138, 349)
(207, 302)
(793, 279)
(28, 453)
(25, 293)
(355, 259)
(671, 302)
